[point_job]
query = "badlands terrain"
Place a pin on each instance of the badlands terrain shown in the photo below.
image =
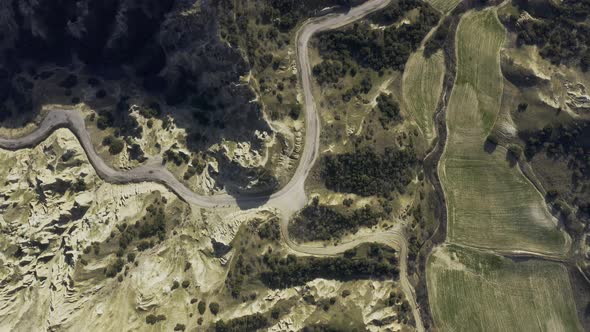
(279, 165)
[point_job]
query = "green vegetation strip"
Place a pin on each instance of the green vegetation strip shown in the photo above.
(490, 202)
(367, 173)
(372, 261)
(318, 222)
(476, 291)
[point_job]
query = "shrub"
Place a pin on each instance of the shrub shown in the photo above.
(214, 307)
(515, 151)
(202, 306)
(115, 144)
(378, 49)
(105, 120)
(114, 268)
(295, 111)
(153, 319)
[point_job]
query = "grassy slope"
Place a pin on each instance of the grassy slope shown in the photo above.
(422, 85)
(490, 203)
(475, 291)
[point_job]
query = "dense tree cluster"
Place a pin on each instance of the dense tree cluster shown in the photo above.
(285, 14)
(177, 157)
(394, 11)
(388, 108)
(364, 86)
(270, 230)
(559, 29)
(375, 48)
(571, 143)
(437, 41)
(245, 323)
(293, 270)
(329, 71)
(320, 222)
(367, 173)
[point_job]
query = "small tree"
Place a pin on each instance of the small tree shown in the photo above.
(116, 146)
(131, 257)
(202, 306)
(515, 151)
(214, 307)
(275, 313)
(153, 319)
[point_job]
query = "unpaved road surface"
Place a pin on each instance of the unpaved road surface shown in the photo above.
(288, 199)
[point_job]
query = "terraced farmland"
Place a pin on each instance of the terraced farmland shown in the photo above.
(490, 202)
(422, 86)
(475, 291)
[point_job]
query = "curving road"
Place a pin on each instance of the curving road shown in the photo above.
(288, 199)
(393, 238)
(294, 189)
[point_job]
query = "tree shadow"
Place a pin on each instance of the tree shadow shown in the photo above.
(489, 147)
(247, 201)
(511, 159)
(175, 67)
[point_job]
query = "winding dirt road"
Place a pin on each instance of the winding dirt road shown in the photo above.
(287, 200)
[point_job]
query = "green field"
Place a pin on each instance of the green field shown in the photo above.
(444, 6)
(490, 202)
(475, 291)
(422, 85)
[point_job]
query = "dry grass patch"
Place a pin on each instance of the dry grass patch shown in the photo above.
(422, 86)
